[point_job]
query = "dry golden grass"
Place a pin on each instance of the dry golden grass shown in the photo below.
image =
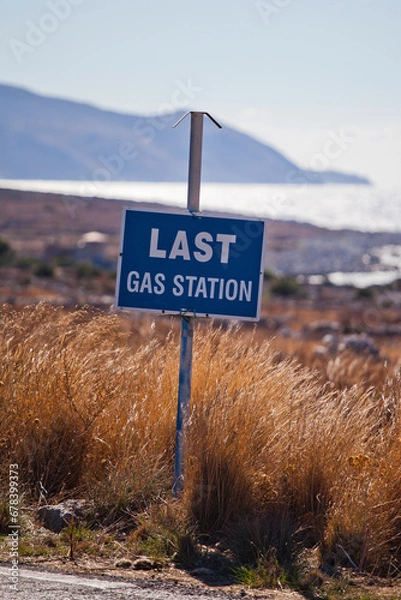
(344, 369)
(277, 457)
(81, 409)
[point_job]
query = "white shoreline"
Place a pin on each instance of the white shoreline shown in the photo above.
(357, 207)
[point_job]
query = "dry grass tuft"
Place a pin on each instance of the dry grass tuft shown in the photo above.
(82, 410)
(278, 459)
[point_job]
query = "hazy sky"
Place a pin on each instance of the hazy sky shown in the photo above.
(318, 79)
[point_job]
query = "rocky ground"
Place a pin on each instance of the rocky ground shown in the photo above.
(39, 225)
(295, 248)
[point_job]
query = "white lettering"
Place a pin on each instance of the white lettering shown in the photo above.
(159, 281)
(154, 251)
(190, 279)
(212, 281)
(146, 284)
(210, 287)
(225, 240)
(231, 295)
(136, 284)
(180, 246)
(245, 290)
(201, 288)
(132, 281)
(206, 251)
(179, 289)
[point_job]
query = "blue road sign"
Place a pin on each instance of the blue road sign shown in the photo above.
(199, 264)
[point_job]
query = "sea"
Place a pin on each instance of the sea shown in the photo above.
(356, 207)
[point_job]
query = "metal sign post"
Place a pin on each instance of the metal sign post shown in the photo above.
(184, 397)
(190, 264)
(187, 321)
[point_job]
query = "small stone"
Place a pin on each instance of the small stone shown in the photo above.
(123, 563)
(143, 564)
(57, 516)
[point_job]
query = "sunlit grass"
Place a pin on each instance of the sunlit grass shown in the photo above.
(277, 459)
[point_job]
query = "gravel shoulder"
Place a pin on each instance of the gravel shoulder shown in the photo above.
(98, 579)
(93, 582)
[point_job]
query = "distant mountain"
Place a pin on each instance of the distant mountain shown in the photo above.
(49, 138)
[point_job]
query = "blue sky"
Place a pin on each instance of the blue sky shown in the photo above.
(297, 74)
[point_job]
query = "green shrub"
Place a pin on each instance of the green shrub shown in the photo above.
(285, 286)
(86, 269)
(44, 269)
(7, 254)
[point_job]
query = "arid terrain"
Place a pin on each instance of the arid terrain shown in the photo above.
(294, 464)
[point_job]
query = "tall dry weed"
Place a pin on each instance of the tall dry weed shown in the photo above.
(81, 410)
(275, 457)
